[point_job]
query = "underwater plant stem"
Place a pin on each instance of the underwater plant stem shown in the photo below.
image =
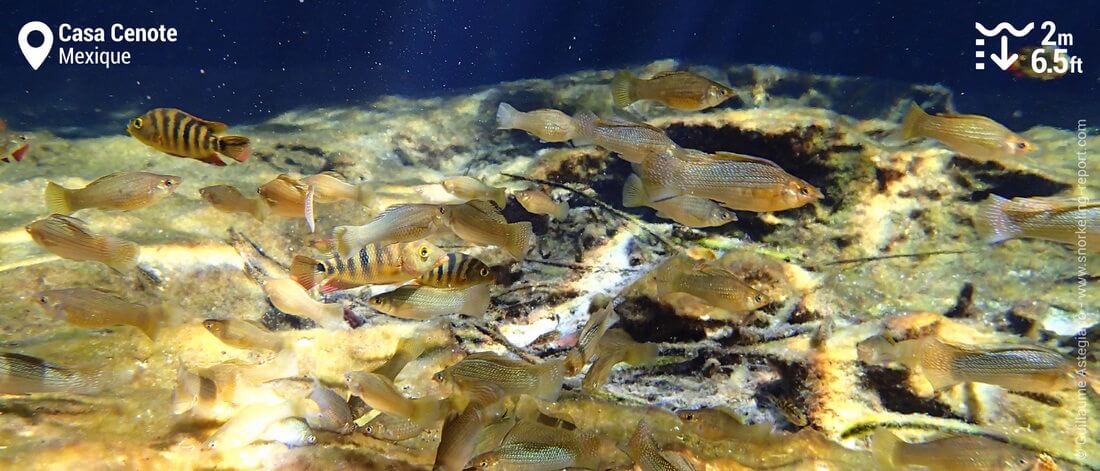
(876, 258)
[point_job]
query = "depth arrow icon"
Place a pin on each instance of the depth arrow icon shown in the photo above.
(1004, 61)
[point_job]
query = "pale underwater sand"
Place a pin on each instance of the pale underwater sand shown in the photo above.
(880, 200)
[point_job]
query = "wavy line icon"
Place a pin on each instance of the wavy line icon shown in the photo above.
(1004, 25)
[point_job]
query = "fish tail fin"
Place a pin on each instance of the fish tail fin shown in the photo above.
(506, 116)
(260, 210)
(939, 378)
(57, 199)
(150, 324)
(634, 193)
(622, 88)
(235, 147)
(427, 411)
(303, 269)
(912, 120)
(584, 122)
(551, 375)
(599, 372)
(520, 237)
(344, 243)
(364, 194)
(500, 197)
(477, 301)
(883, 446)
(994, 223)
(121, 255)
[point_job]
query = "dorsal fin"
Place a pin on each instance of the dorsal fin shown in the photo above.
(627, 124)
(75, 223)
(106, 177)
(669, 73)
(216, 127)
(963, 116)
(721, 155)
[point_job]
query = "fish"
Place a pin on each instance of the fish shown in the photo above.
(331, 187)
(70, 238)
(538, 202)
(1022, 68)
(243, 334)
(546, 124)
(249, 424)
(408, 349)
(634, 142)
(616, 346)
(177, 133)
(426, 302)
(396, 224)
(285, 196)
(13, 146)
(125, 191)
(229, 199)
(974, 136)
(690, 211)
(1064, 220)
(308, 209)
(643, 449)
(530, 446)
(716, 286)
(86, 307)
(458, 438)
(960, 453)
(198, 393)
(24, 374)
(374, 264)
(1028, 368)
(380, 393)
(470, 188)
(392, 428)
(477, 222)
(588, 339)
(288, 296)
(291, 431)
(513, 377)
(456, 270)
(719, 424)
(736, 181)
(333, 413)
(681, 90)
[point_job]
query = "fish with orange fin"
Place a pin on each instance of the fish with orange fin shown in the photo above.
(681, 90)
(974, 136)
(177, 133)
(13, 146)
(373, 264)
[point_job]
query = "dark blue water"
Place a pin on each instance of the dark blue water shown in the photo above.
(246, 61)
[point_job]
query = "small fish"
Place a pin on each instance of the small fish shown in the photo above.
(426, 302)
(285, 196)
(380, 393)
(458, 438)
(248, 425)
(291, 431)
(714, 285)
(1026, 368)
(289, 297)
(514, 377)
(333, 413)
(70, 238)
(736, 181)
(243, 334)
(719, 424)
(616, 346)
(87, 307)
(392, 428)
(538, 202)
(679, 90)
(961, 453)
(588, 339)
(123, 191)
(197, 393)
(13, 146)
(477, 222)
(546, 124)
(1022, 67)
(408, 349)
(308, 209)
(456, 270)
(634, 142)
(229, 199)
(398, 223)
(470, 188)
(373, 265)
(330, 188)
(643, 449)
(974, 136)
(1065, 220)
(795, 415)
(24, 374)
(177, 133)
(690, 211)
(531, 446)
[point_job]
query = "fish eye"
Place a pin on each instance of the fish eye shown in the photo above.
(689, 417)
(484, 272)
(1021, 145)
(376, 301)
(438, 377)
(168, 183)
(758, 298)
(43, 299)
(369, 429)
(320, 267)
(137, 123)
(803, 191)
(424, 251)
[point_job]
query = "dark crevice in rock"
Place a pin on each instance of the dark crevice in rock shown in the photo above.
(649, 321)
(893, 390)
(1005, 182)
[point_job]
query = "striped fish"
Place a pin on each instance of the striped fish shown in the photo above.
(24, 374)
(456, 270)
(177, 133)
(373, 264)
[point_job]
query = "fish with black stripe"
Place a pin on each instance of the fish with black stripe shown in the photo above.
(24, 374)
(373, 264)
(456, 270)
(177, 133)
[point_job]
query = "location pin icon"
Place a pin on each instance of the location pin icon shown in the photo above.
(35, 55)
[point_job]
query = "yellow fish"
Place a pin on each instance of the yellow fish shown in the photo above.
(680, 90)
(538, 202)
(398, 223)
(380, 393)
(372, 265)
(24, 374)
(456, 270)
(478, 222)
(68, 237)
(963, 453)
(616, 346)
(643, 449)
(288, 296)
(714, 285)
(470, 188)
(285, 196)
(546, 124)
(974, 136)
(691, 211)
(1059, 219)
(177, 133)
(229, 199)
(87, 307)
(514, 377)
(122, 190)
(426, 302)
(243, 334)
(330, 188)
(634, 142)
